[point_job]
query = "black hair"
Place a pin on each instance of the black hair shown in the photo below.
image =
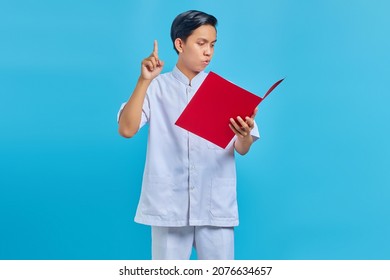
(185, 23)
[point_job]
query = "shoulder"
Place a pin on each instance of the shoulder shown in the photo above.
(164, 77)
(160, 84)
(161, 81)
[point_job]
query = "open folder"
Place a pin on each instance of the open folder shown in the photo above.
(215, 102)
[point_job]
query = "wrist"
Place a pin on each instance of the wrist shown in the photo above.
(144, 81)
(246, 139)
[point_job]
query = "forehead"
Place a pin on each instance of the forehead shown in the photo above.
(206, 32)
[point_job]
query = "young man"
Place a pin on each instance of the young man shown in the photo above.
(189, 185)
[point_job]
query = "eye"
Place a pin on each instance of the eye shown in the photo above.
(201, 43)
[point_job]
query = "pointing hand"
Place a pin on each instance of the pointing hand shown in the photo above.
(151, 66)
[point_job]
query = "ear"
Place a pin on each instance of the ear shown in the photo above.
(179, 45)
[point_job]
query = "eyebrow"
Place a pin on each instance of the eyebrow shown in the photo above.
(204, 39)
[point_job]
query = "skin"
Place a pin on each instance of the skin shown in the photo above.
(195, 54)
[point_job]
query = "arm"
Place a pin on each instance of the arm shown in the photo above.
(243, 131)
(130, 117)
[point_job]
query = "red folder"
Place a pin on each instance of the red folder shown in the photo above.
(215, 102)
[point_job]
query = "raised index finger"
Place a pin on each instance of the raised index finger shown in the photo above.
(155, 48)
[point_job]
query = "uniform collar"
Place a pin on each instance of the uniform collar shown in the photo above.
(197, 80)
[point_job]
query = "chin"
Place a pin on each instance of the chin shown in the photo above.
(201, 68)
(197, 70)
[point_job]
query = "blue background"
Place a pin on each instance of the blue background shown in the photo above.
(315, 186)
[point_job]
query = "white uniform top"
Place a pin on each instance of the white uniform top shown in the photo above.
(187, 180)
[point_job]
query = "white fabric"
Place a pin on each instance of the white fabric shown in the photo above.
(176, 243)
(187, 180)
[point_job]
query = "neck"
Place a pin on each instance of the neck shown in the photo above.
(187, 72)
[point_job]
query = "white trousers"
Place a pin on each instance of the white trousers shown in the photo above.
(175, 243)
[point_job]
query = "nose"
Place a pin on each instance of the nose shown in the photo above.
(207, 51)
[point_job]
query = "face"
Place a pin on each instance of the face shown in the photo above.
(197, 51)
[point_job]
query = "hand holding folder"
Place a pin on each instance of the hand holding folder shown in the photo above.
(215, 102)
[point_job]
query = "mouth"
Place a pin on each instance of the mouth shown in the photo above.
(206, 62)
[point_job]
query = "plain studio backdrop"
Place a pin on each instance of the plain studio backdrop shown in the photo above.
(315, 186)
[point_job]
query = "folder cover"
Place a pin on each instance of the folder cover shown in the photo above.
(215, 102)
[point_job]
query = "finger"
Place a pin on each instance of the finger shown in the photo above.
(237, 127)
(238, 133)
(148, 65)
(154, 61)
(250, 122)
(155, 53)
(234, 123)
(155, 49)
(243, 125)
(254, 113)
